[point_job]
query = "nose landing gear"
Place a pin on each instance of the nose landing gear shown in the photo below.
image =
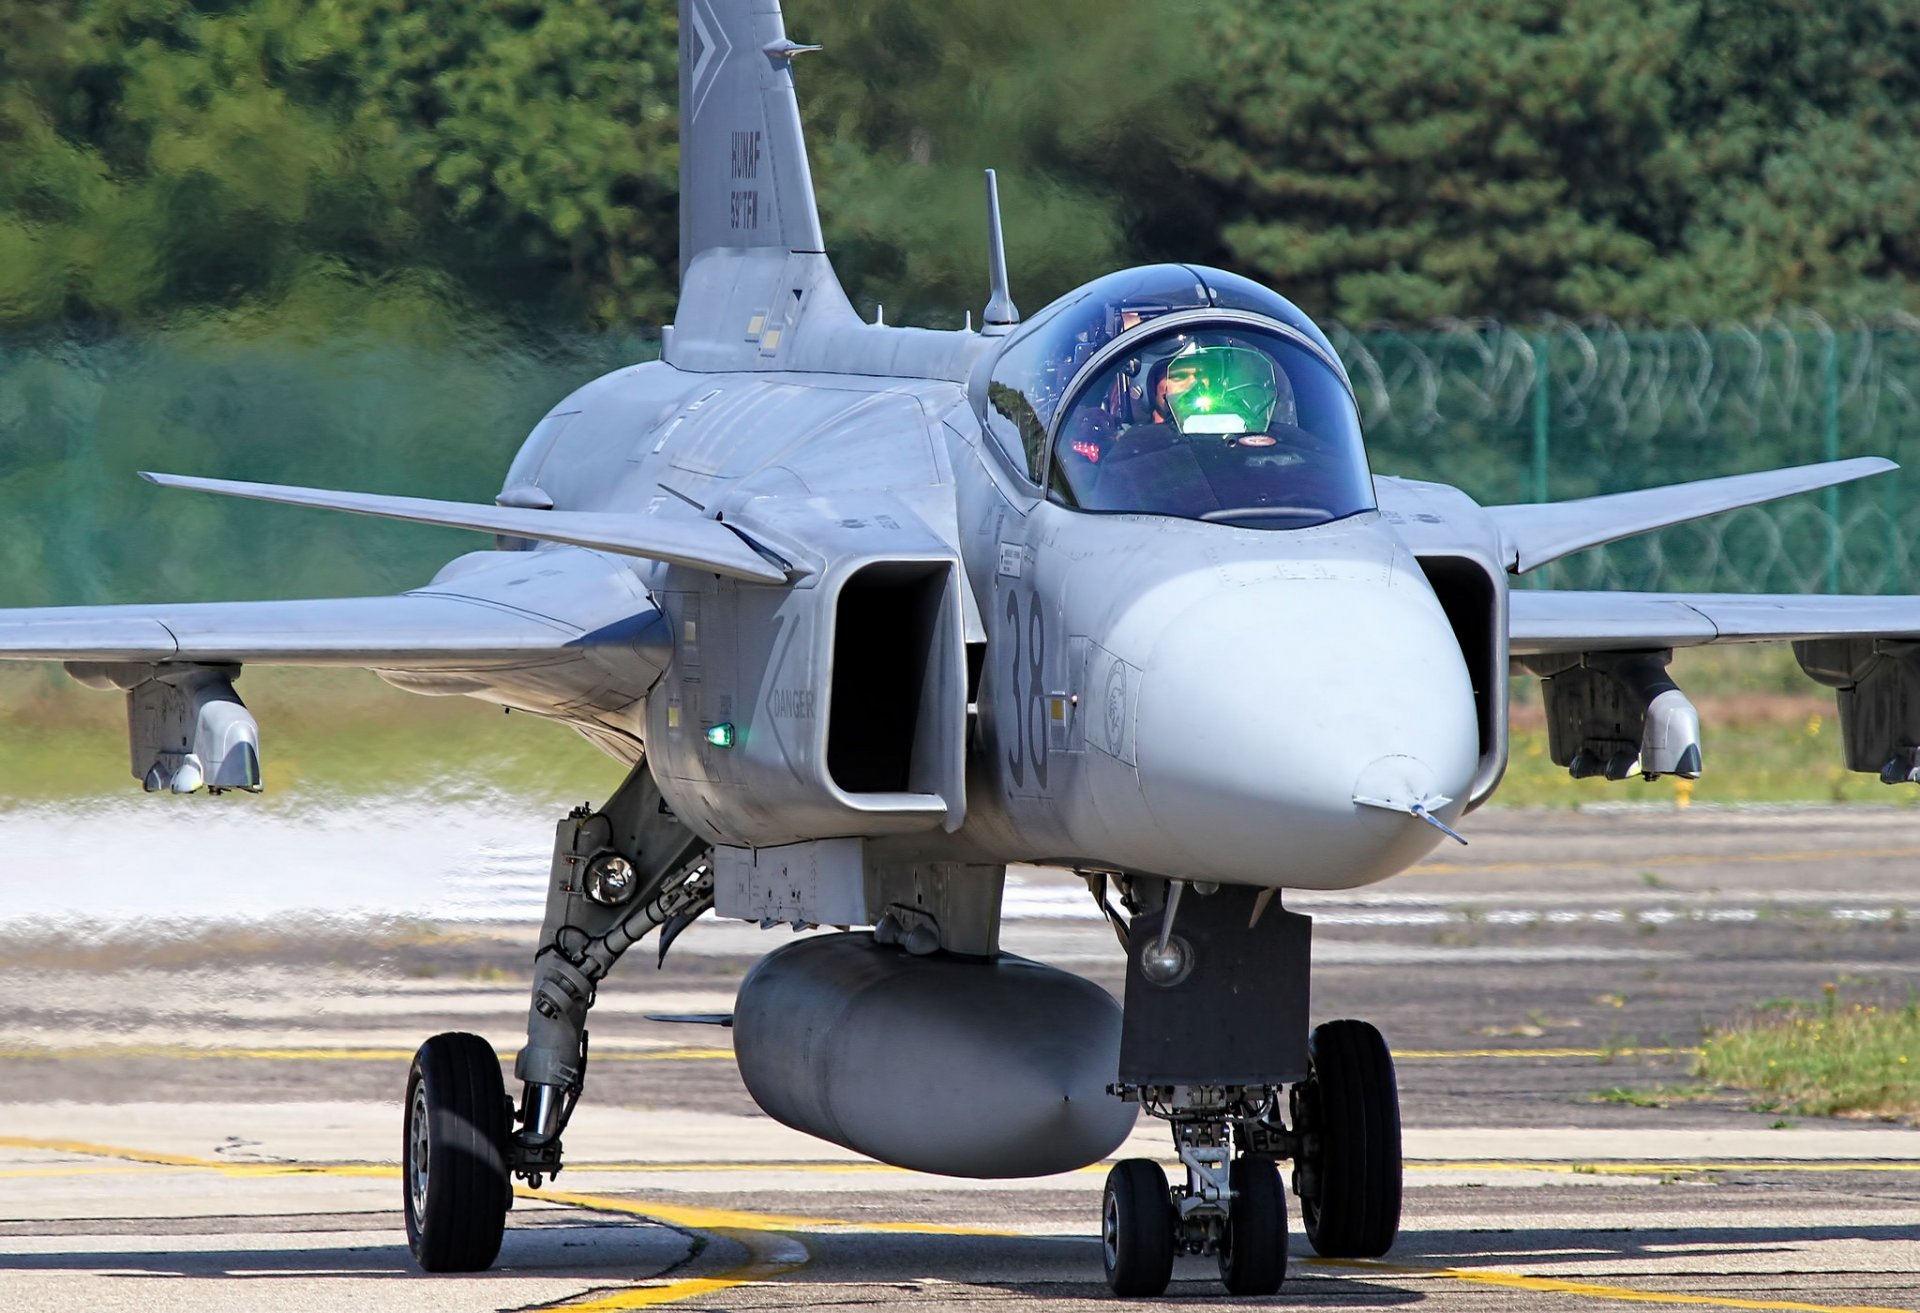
(1212, 1050)
(1231, 1206)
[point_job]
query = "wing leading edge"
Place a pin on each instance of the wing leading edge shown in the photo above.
(406, 632)
(1533, 535)
(1547, 622)
(674, 538)
(473, 616)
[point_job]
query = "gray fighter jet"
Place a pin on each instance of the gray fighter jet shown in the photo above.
(872, 612)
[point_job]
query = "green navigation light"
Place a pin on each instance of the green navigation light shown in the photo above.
(721, 735)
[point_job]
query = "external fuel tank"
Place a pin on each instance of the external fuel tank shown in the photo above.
(962, 1067)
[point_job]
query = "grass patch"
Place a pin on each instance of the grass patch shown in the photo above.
(1822, 1060)
(1770, 735)
(325, 736)
(1750, 760)
(1664, 1096)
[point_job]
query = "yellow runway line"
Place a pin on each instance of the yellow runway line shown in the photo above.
(1562, 1166)
(770, 1254)
(732, 1222)
(1554, 1285)
(87, 1148)
(1565, 1167)
(695, 1218)
(749, 1230)
(768, 1261)
(790, 1165)
(189, 1052)
(1654, 863)
(710, 1217)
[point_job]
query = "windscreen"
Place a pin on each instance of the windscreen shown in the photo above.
(1230, 424)
(1041, 360)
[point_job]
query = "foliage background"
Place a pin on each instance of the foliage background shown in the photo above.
(387, 162)
(367, 242)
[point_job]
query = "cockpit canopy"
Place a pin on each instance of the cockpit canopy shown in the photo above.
(1182, 391)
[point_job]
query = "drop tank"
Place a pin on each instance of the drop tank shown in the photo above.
(962, 1067)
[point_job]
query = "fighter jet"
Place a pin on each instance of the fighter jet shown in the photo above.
(872, 612)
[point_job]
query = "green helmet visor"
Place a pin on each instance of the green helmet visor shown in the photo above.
(1221, 390)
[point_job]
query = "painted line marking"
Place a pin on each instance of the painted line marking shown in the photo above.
(696, 1218)
(1562, 1166)
(710, 1217)
(188, 1052)
(1633, 1167)
(1555, 1285)
(1671, 859)
(769, 1262)
(191, 1053)
(770, 1254)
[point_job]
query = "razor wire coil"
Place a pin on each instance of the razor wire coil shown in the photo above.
(1546, 410)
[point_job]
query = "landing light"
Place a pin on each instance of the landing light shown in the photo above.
(611, 880)
(721, 735)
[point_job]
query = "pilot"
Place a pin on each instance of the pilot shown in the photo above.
(1216, 414)
(1214, 390)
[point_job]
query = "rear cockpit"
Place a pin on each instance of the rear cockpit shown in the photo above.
(1181, 391)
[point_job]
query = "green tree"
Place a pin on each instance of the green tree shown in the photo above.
(154, 156)
(543, 135)
(1800, 129)
(1389, 159)
(1084, 107)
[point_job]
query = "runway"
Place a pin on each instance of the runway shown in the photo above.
(211, 1121)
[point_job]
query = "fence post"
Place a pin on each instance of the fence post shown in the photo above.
(1542, 418)
(1830, 374)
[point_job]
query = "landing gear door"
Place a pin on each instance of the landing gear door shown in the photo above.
(1235, 1013)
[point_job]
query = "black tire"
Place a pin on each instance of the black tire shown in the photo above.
(1137, 1224)
(1253, 1252)
(1352, 1109)
(453, 1173)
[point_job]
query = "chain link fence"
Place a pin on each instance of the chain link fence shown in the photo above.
(78, 421)
(1559, 409)
(1546, 411)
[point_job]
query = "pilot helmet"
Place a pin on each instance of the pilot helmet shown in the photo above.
(1220, 388)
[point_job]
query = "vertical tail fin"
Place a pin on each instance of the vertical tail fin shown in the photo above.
(744, 178)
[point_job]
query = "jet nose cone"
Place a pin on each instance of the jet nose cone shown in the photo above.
(1265, 712)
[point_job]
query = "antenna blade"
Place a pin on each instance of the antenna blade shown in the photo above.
(1001, 313)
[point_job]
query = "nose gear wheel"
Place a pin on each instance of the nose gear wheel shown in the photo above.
(1253, 1245)
(1137, 1225)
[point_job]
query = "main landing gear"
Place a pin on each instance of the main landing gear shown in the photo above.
(1215, 1043)
(618, 875)
(454, 1160)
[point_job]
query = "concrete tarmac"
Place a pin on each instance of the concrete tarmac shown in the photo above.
(210, 1120)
